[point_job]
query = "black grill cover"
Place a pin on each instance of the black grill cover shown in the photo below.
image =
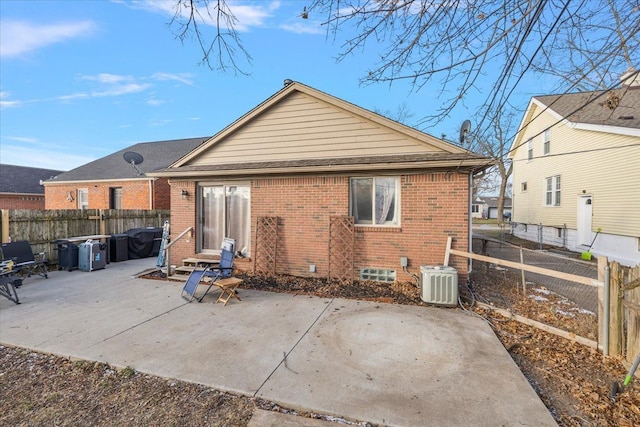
(144, 242)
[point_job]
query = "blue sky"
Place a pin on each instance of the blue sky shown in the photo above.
(82, 79)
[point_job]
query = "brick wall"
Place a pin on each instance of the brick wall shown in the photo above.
(135, 195)
(161, 194)
(433, 207)
(22, 201)
(183, 216)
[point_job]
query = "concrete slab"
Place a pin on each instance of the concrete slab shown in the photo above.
(382, 363)
(405, 366)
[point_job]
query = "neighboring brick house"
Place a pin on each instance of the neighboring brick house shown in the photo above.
(304, 157)
(21, 186)
(113, 183)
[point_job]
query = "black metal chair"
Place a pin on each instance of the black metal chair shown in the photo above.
(20, 252)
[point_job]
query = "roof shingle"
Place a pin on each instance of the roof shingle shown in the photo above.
(24, 179)
(156, 155)
(616, 108)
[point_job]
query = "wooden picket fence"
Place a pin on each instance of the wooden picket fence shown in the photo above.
(42, 228)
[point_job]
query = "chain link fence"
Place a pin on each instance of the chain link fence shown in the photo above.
(561, 303)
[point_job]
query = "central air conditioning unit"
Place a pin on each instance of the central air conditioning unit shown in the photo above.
(439, 285)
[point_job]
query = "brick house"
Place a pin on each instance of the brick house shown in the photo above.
(21, 186)
(112, 182)
(309, 184)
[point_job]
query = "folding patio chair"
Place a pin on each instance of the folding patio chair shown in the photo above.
(210, 274)
(20, 252)
(9, 280)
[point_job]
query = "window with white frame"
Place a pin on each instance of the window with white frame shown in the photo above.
(546, 146)
(553, 191)
(475, 208)
(374, 201)
(83, 198)
(530, 149)
(225, 211)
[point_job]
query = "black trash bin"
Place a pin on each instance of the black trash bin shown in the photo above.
(67, 255)
(119, 247)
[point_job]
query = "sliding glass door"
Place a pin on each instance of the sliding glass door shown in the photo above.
(225, 211)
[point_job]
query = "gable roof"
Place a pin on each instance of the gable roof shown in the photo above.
(615, 111)
(492, 201)
(24, 179)
(617, 108)
(156, 155)
(301, 129)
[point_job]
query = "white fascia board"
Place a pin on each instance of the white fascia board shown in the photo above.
(93, 181)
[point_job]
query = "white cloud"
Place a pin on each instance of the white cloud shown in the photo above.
(108, 78)
(124, 89)
(180, 77)
(26, 139)
(113, 85)
(248, 14)
(155, 102)
(303, 28)
(9, 104)
(20, 37)
(41, 157)
(159, 122)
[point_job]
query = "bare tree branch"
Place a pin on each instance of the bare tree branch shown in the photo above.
(196, 17)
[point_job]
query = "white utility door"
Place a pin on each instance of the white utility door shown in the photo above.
(585, 210)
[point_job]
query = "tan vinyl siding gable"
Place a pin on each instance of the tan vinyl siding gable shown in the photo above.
(303, 127)
(604, 165)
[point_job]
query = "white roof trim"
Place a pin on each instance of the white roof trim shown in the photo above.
(91, 181)
(618, 130)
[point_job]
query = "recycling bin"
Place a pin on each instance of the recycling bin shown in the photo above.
(92, 255)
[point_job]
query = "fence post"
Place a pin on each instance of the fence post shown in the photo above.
(103, 227)
(5, 226)
(603, 324)
(524, 282)
(615, 316)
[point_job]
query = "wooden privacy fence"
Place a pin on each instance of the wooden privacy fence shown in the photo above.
(625, 312)
(43, 227)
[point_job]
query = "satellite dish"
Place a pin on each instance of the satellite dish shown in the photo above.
(464, 130)
(134, 159)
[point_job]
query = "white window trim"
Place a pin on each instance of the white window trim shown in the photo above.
(397, 204)
(530, 149)
(546, 142)
(554, 191)
(79, 199)
(200, 186)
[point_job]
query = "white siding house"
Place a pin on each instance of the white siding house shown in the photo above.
(577, 171)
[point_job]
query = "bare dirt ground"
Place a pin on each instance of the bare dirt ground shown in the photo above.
(572, 380)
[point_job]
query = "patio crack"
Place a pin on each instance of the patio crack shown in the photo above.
(138, 324)
(284, 358)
